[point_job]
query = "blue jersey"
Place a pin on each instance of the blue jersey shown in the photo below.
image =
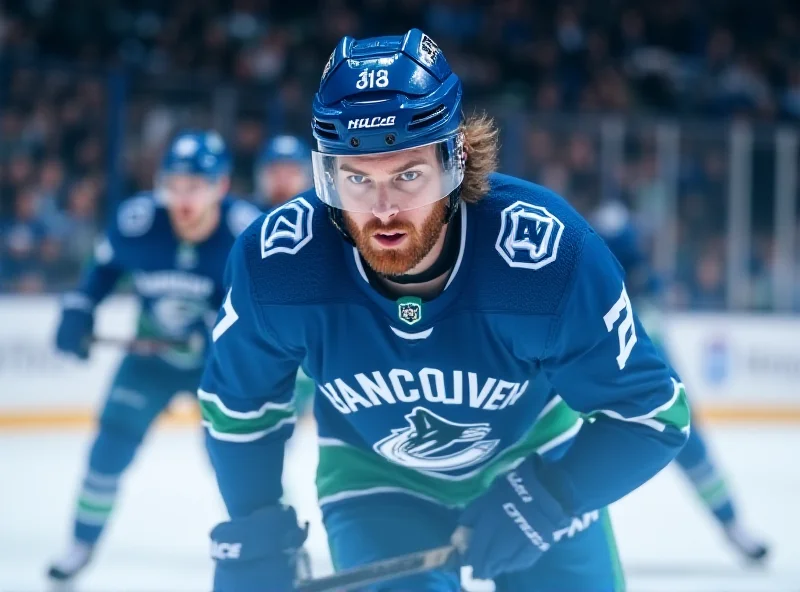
(178, 283)
(612, 221)
(436, 398)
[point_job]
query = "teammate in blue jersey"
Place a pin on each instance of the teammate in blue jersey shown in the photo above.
(613, 222)
(174, 244)
(457, 322)
(283, 170)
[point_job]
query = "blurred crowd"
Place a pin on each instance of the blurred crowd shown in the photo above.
(82, 81)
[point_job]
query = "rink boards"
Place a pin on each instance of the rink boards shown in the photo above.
(737, 367)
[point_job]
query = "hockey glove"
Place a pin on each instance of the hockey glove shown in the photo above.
(258, 553)
(74, 333)
(512, 524)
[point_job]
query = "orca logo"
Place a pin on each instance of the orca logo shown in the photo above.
(433, 443)
(287, 229)
(529, 236)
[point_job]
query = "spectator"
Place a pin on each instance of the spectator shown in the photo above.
(561, 61)
(21, 244)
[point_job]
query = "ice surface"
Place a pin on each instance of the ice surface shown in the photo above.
(158, 536)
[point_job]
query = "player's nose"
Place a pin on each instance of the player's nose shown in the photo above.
(383, 209)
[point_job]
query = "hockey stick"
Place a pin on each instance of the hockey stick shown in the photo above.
(380, 571)
(149, 347)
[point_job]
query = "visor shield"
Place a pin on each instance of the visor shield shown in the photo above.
(403, 179)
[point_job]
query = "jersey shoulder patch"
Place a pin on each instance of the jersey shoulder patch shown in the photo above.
(135, 215)
(287, 228)
(240, 215)
(103, 251)
(528, 241)
(529, 235)
(295, 255)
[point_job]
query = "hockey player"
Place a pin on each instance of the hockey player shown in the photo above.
(451, 317)
(612, 221)
(283, 170)
(174, 243)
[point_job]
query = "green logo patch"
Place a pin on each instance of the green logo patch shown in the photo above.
(409, 309)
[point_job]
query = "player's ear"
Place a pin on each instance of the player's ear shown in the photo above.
(224, 185)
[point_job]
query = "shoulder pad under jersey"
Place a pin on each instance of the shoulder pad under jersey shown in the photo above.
(135, 215)
(240, 214)
(295, 254)
(528, 241)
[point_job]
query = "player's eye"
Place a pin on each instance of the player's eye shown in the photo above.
(357, 179)
(408, 176)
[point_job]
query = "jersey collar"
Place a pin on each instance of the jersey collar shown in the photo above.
(431, 309)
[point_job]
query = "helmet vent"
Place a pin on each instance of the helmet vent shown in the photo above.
(325, 129)
(428, 118)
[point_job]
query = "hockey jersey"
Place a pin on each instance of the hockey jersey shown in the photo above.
(435, 398)
(178, 283)
(613, 222)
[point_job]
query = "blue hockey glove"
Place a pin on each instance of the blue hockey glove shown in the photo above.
(74, 333)
(258, 553)
(512, 524)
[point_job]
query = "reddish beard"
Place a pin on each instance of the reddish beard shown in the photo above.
(419, 242)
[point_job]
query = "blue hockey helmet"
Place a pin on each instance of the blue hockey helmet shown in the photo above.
(381, 95)
(195, 153)
(284, 148)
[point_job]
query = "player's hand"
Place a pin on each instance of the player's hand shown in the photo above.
(74, 335)
(258, 553)
(512, 524)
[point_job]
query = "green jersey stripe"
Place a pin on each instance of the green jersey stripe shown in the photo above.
(346, 471)
(674, 413)
(248, 436)
(242, 426)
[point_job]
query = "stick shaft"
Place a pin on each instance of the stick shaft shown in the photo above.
(380, 571)
(142, 346)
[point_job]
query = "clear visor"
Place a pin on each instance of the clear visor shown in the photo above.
(402, 180)
(176, 189)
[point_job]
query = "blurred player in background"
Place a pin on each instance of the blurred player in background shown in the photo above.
(173, 243)
(283, 170)
(612, 220)
(455, 321)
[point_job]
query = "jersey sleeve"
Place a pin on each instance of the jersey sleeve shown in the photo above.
(246, 395)
(604, 365)
(99, 278)
(640, 279)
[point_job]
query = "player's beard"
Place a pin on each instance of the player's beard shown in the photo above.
(419, 241)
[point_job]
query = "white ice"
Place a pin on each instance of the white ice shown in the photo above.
(157, 539)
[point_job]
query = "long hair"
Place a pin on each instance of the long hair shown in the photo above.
(481, 144)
